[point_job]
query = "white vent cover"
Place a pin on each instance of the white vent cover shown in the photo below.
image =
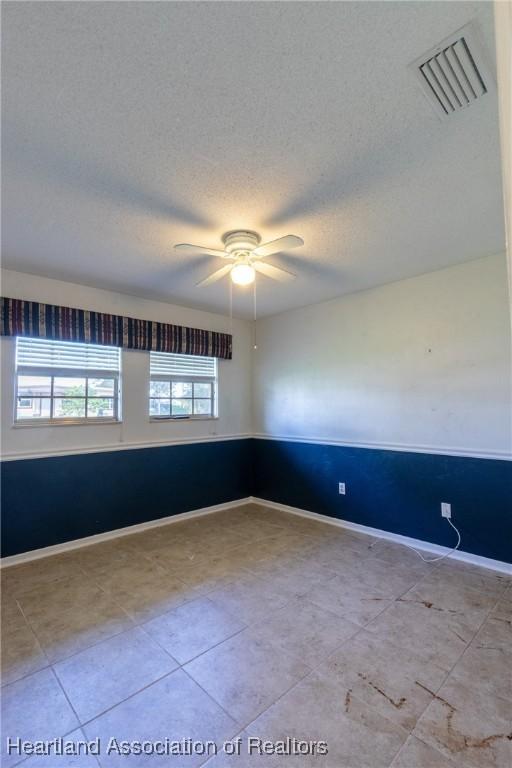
(453, 75)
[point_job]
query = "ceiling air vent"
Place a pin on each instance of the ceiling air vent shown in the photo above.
(453, 74)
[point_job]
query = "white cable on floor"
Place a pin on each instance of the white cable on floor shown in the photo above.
(442, 557)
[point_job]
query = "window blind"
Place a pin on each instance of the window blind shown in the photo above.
(182, 366)
(41, 353)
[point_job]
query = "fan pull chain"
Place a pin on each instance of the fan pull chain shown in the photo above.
(255, 345)
(231, 308)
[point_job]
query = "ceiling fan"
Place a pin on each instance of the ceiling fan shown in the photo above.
(245, 252)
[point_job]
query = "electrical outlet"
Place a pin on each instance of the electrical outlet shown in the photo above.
(446, 509)
(341, 489)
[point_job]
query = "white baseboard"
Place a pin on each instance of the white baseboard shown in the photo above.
(465, 557)
(37, 554)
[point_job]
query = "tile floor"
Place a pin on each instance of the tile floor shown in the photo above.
(254, 624)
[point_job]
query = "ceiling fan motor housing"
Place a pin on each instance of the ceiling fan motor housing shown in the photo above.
(240, 242)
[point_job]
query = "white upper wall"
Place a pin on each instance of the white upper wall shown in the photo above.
(503, 29)
(423, 362)
(234, 398)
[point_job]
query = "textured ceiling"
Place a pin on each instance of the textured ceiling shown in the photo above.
(128, 127)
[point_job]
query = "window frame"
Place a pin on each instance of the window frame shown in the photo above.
(75, 373)
(183, 379)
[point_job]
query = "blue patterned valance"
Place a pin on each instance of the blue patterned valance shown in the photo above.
(48, 321)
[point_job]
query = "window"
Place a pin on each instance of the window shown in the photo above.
(66, 382)
(182, 386)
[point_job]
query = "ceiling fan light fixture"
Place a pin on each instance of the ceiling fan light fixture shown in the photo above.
(243, 248)
(243, 274)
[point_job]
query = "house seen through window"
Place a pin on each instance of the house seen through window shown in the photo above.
(182, 386)
(59, 381)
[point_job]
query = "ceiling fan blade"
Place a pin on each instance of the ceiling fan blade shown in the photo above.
(276, 246)
(198, 249)
(218, 275)
(276, 273)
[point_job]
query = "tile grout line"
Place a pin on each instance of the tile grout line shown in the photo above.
(248, 722)
(181, 665)
(364, 628)
(140, 624)
(247, 627)
(103, 712)
(411, 735)
(312, 670)
(231, 717)
(135, 624)
(84, 723)
(149, 684)
(452, 668)
(93, 578)
(54, 673)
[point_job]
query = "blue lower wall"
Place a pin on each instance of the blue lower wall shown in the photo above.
(53, 500)
(393, 490)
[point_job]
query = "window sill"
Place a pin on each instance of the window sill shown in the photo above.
(167, 419)
(64, 423)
